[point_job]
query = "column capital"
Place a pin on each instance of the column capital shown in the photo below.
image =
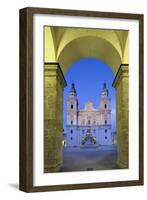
(121, 73)
(53, 69)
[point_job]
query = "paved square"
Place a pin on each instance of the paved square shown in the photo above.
(84, 159)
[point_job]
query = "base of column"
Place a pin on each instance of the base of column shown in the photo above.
(122, 165)
(52, 168)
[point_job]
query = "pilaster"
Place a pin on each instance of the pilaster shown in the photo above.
(54, 84)
(122, 114)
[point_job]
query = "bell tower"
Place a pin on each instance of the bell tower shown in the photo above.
(105, 100)
(105, 106)
(72, 106)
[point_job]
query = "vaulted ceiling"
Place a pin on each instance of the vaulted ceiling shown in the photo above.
(66, 45)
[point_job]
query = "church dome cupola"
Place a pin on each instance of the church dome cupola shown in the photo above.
(105, 90)
(72, 89)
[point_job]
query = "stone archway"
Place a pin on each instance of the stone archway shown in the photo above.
(67, 46)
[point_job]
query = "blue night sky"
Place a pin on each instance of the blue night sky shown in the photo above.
(89, 74)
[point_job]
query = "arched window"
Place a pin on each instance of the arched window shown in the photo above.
(105, 130)
(105, 106)
(71, 106)
(105, 121)
(71, 122)
(89, 122)
(71, 131)
(105, 137)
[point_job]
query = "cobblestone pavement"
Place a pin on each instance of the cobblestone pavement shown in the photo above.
(84, 159)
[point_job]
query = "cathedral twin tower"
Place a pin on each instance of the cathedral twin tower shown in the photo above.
(88, 127)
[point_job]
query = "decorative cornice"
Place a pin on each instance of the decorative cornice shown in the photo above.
(56, 71)
(122, 72)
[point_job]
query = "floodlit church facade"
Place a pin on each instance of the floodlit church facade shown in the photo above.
(88, 127)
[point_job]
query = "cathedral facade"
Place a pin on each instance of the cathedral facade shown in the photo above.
(88, 127)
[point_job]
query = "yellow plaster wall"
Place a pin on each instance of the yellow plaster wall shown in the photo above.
(49, 45)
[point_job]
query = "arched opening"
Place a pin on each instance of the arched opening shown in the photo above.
(68, 46)
(89, 76)
(89, 47)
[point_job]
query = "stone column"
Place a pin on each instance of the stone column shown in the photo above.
(54, 84)
(122, 116)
